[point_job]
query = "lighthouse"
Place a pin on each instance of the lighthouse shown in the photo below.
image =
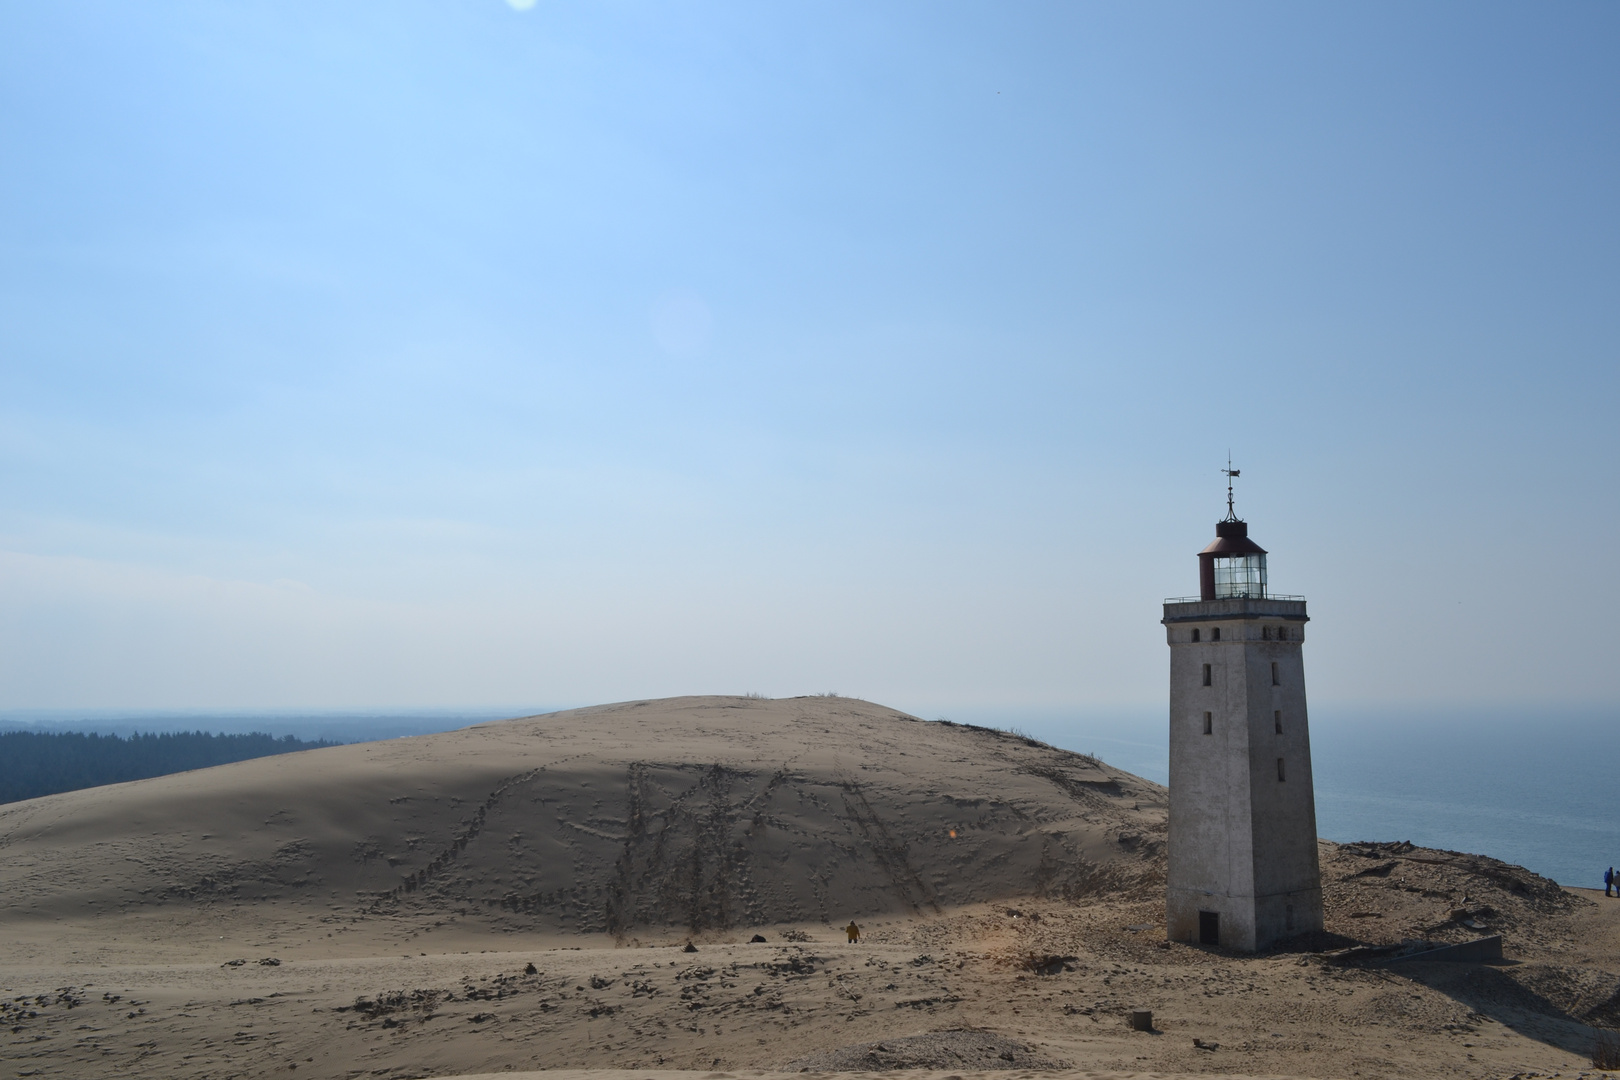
(1243, 869)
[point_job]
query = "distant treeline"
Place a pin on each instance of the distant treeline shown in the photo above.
(40, 763)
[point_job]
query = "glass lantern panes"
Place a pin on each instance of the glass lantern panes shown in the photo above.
(1240, 576)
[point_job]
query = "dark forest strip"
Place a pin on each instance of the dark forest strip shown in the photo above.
(44, 763)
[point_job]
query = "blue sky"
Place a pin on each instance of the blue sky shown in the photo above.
(418, 354)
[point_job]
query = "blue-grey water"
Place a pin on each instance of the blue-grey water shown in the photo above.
(1536, 788)
(1540, 789)
(333, 725)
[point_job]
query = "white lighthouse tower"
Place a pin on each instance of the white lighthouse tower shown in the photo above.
(1243, 866)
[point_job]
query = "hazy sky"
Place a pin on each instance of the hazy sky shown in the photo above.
(420, 353)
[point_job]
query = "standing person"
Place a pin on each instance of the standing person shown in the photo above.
(1608, 881)
(854, 931)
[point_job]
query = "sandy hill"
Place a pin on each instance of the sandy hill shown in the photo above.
(520, 896)
(697, 814)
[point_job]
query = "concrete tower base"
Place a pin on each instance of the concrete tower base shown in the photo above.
(1244, 923)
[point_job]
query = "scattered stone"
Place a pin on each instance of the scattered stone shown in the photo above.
(421, 1002)
(689, 947)
(757, 939)
(1049, 963)
(956, 1050)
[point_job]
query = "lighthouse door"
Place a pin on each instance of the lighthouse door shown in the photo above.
(1209, 928)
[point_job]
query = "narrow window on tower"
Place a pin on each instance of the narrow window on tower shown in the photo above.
(1265, 633)
(1215, 634)
(1276, 715)
(1280, 774)
(1282, 633)
(1209, 723)
(1274, 680)
(1206, 675)
(1195, 633)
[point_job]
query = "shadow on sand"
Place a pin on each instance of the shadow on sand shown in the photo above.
(1490, 990)
(1498, 989)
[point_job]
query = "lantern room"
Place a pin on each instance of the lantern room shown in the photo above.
(1233, 567)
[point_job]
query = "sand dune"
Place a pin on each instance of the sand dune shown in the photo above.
(586, 890)
(699, 814)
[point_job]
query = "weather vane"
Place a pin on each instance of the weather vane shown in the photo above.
(1230, 473)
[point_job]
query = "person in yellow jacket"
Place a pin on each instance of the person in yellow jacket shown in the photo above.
(853, 931)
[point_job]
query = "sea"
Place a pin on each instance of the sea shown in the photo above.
(1539, 788)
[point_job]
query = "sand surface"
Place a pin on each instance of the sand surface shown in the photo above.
(913, 1074)
(376, 910)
